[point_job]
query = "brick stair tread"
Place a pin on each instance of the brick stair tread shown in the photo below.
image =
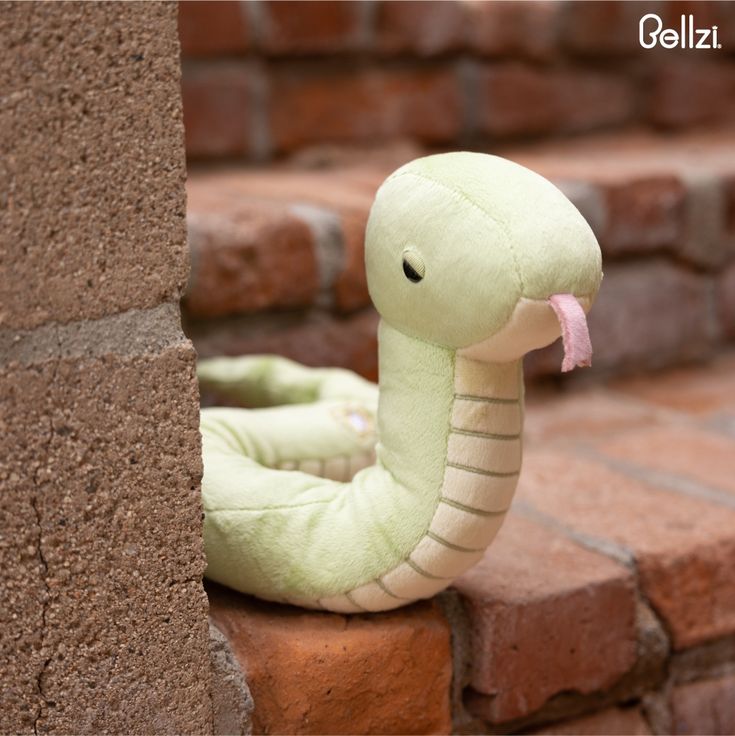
(634, 188)
(615, 555)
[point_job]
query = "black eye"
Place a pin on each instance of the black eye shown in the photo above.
(410, 272)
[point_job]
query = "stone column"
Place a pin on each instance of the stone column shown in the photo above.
(103, 618)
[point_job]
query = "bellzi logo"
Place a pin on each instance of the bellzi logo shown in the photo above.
(651, 32)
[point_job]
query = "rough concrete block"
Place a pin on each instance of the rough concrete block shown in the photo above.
(232, 703)
(110, 526)
(91, 160)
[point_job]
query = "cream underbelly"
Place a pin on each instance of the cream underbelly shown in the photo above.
(481, 472)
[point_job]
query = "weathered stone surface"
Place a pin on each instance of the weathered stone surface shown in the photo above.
(312, 105)
(690, 91)
(214, 27)
(581, 415)
(683, 547)
(704, 707)
(627, 321)
(323, 673)
(644, 213)
(319, 27)
(103, 621)
(314, 338)
(691, 453)
(525, 30)
(218, 110)
(249, 258)
(92, 160)
(25, 430)
(610, 722)
(726, 300)
(419, 27)
(121, 543)
(232, 704)
(691, 390)
(517, 99)
(546, 616)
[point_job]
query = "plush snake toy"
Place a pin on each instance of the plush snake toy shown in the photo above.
(472, 261)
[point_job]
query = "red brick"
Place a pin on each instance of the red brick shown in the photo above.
(607, 28)
(689, 92)
(213, 27)
(320, 26)
(690, 452)
(373, 104)
(726, 300)
(526, 30)
(704, 707)
(217, 108)
(684, 548)
(649, 315)
(729, 193)
(610, 722)
(581, 415)
(348, 192)
(312, 338)
(520, 100)
(701, 391)
(322, 673)
(350, 288)
(419, 27)
(252, 257)
(546, 616)
(643, 213)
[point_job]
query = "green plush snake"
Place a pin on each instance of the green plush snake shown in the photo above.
(472, 261)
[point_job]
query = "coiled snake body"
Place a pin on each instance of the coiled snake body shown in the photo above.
(472, 261)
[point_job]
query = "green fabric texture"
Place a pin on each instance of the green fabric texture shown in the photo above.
(478, 235)
(288, 535)
(489, 232)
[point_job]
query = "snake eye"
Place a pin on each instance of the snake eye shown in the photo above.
(413, 266)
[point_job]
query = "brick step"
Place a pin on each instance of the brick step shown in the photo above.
(606, 604)
(281, 247)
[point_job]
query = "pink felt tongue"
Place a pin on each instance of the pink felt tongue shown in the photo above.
(574, 333)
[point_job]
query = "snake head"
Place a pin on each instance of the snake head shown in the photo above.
(481, 255)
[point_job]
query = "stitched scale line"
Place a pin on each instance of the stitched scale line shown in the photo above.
(485, 435)
(486, 399)
(421, 571)
(480, 471)
(385, 590)
(349, 597)
(450, 545)
(465, 197)
(470, 509)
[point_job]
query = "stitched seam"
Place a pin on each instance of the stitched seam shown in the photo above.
(485, 435)
(450, 545)
(420, 570)
(267, 508)
(385, 590)
(349, 597)
(459, 193)
(470, 509)
(481, 471)
(486, 399)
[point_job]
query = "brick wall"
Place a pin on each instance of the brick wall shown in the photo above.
(307, 102)
(103, 621)
(278, 252)
(263, 79)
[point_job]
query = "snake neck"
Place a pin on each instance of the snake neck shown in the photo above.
(484, 446)
(447, 423)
